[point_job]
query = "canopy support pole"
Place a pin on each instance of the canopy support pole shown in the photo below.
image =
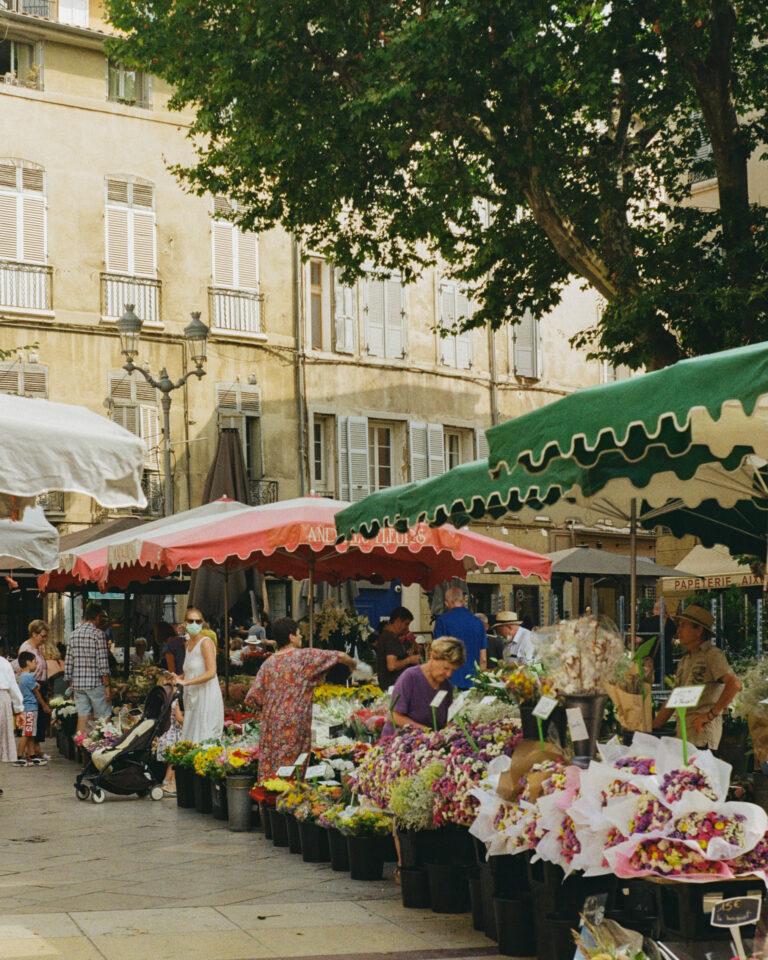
(226, 634)
(312, 602)
(633, 574)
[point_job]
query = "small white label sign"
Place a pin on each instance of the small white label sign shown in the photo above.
(323, 732)
(487, 700)
(390, 690)
(315, 772)
(576, 724)
(544, 707)
(438, 698)
(285, 771)
(685, 696)
(302, 758)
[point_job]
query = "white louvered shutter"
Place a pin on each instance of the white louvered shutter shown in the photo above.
(342, 433)
(419, 446)
(33, 229)
(435, 449)
(481, 445)
(8, 225)
(526, 346)
(344, 314)
(357, 440)
(247, 260)
(223, 254)
(10, 378)
(447, 320)
(463, 340)
(375, 317)
(395, 319)
(118, 246)
(150, 433)
(234, 402)
(123, 406)
(34, 380)
(143, 243)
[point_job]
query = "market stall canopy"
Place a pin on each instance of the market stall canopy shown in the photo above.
(80, 563)
(711, 562)
(97, 531)
(29, 542)
(718, 401)
(46, 447)
(585, 562)
(294, 537)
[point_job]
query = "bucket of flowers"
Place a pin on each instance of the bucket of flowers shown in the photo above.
(236, 771)
(369, 841)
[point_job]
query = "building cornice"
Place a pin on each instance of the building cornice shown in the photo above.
(43, 29)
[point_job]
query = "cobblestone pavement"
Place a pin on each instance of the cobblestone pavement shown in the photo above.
(141, 880)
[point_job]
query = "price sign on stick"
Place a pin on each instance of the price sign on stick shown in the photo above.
(314, 773)
(438, 698)
(681, 699)
(576, 724)
(487, 700)
(301, 759)
(286, 771)
(734, 913)
(545, 706)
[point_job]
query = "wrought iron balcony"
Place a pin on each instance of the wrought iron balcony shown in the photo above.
(235, 311)
(25, 285)
(52, 502)
(48, 9)
(118, 289)
(263, 491)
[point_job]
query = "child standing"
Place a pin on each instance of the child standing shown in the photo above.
(30, 692)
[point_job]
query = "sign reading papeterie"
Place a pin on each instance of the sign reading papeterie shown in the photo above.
(544, 707)
(685, 696)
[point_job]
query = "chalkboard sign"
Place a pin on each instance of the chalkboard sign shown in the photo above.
(736, 912)
(335, 730)
(593, 910)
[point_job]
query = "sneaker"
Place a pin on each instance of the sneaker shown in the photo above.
(44, 756)
(38, 762)
(21, 762)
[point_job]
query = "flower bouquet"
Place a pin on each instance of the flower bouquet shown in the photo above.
(412, 799)
(267, 791)
(63, 714)
(364, 822)
(206, 762)
(242, 759)
(579, 655)
(661, 856)
(176, 752)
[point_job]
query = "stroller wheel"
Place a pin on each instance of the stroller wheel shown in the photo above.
(82, 792)
(156, 793)
(98, 795)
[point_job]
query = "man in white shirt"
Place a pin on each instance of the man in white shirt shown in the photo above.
(518, 643)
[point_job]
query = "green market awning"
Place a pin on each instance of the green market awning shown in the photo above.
(718, 401)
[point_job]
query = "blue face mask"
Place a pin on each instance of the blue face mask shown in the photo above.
(194, 628)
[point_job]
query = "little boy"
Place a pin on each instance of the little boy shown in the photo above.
(30, 691)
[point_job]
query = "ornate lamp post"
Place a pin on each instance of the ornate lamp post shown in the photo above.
(196, 335)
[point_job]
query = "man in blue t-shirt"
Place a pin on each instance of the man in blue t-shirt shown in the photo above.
(458, 622)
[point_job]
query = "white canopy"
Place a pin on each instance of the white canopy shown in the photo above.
(29, 542)
(48, 447)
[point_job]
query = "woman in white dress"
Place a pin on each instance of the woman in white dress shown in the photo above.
(203, 703)
(10, 702)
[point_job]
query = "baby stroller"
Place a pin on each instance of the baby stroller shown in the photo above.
(129, 766)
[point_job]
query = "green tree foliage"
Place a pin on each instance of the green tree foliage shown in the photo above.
(378, 130)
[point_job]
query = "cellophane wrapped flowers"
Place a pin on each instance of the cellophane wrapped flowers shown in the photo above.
(578, 655)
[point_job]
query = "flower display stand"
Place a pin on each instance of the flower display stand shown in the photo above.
(314, 843)
(238, 802)
(202, 788)
(185, 787)
(414, 888)
(279, 828)
(448, 888)
(339, 852)
(294, 840)
(219, 799)
(681, 908)
(366, 860)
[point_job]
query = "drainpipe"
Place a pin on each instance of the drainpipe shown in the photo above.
(494, 376)
(299, 331)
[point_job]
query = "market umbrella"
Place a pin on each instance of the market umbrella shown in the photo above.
(47, 447)
(29, 542)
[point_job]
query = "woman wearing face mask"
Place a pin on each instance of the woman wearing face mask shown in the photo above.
(203, 704)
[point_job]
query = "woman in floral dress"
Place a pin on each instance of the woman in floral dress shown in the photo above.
(283, 691)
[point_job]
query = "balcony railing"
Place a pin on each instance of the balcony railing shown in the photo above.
(236, 311)
(263, 491)
(52, 502)
(117, 291)
(49, 9)
(25, 285)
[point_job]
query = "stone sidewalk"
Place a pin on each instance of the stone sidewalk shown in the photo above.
(135, 879)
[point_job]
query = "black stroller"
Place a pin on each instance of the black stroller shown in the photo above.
(129, 766)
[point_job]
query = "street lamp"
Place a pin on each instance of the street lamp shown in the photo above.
(196, 335)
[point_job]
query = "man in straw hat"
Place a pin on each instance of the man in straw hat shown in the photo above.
(702, 663)
(518, 644)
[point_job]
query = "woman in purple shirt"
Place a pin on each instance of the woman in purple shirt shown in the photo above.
(416, 687)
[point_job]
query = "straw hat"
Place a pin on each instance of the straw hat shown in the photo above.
(698, 615)
(507, 616)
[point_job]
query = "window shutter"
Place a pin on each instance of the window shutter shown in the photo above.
(234, 402)
(10, 378)
(436, 449)
(8, 225)
(143, 244)
(117, 190)
(247, 260)
(33, 229)
(250, 400)
(343, 452)
(525, 340)
(223, 254)
(419, 451)
(464, 350)
(344, 314)
(34, 378)
(126, 416)
(118, 250)
(481, 445)
(395, 319)
(357, 440)
(150, 433)
(374, 325)
(73, 12)
(143, 195)
(8, 175)
(447, 320)
(123, 407)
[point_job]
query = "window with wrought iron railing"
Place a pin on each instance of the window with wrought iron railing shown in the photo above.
(263, 491)
(25, 285)
(143, 293)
